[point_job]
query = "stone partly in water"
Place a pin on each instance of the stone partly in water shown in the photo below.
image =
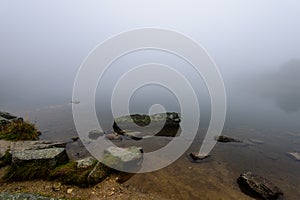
(95, 134)
(258, 187)
(170, 128)
(113, 136)
(225, 139)
(123, 159)
(7, 116)
(294, 155)
(22, 196)
(196, 157)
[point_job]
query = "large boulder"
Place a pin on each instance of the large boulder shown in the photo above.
(170, 127)
(258, 187)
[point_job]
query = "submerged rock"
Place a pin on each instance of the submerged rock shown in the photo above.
(294, 155)
(198, 157)
(255, 141)
(223, 138)
(257, 186)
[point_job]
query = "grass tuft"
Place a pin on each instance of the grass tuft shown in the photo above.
(19, 130)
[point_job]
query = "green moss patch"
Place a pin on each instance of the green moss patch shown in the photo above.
(6, 159)
(70, 174)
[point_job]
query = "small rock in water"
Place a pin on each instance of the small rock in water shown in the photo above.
(113, 136)
(75, 138)
(223, 138)
(75, 102)
(257, 186)
(134, 135)
(198, 157)
(295, 155)
(95, 134)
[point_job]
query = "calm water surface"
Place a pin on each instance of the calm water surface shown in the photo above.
(214, 178)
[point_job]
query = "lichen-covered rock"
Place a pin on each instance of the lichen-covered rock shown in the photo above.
(258, 186)
(85, 162)
(123, 159)
(35, 145)
(53, 156)
(23, 196)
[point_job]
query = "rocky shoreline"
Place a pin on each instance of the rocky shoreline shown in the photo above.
(24, 163)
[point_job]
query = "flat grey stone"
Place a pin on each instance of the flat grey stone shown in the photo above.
(39, 154)
(125, 154)
(123, 159)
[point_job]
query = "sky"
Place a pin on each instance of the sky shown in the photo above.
(254, 43)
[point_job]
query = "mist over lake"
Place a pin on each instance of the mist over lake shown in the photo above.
(254, 44)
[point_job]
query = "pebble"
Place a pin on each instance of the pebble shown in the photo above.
(69, 190)
(56, 186)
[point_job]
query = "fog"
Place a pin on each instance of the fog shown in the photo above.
(255, 44)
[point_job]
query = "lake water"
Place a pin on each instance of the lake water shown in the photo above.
(272, 131)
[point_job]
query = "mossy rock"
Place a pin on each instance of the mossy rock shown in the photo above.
(70, 174)
(29, 170)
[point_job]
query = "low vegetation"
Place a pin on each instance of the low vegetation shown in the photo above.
(19, 130)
